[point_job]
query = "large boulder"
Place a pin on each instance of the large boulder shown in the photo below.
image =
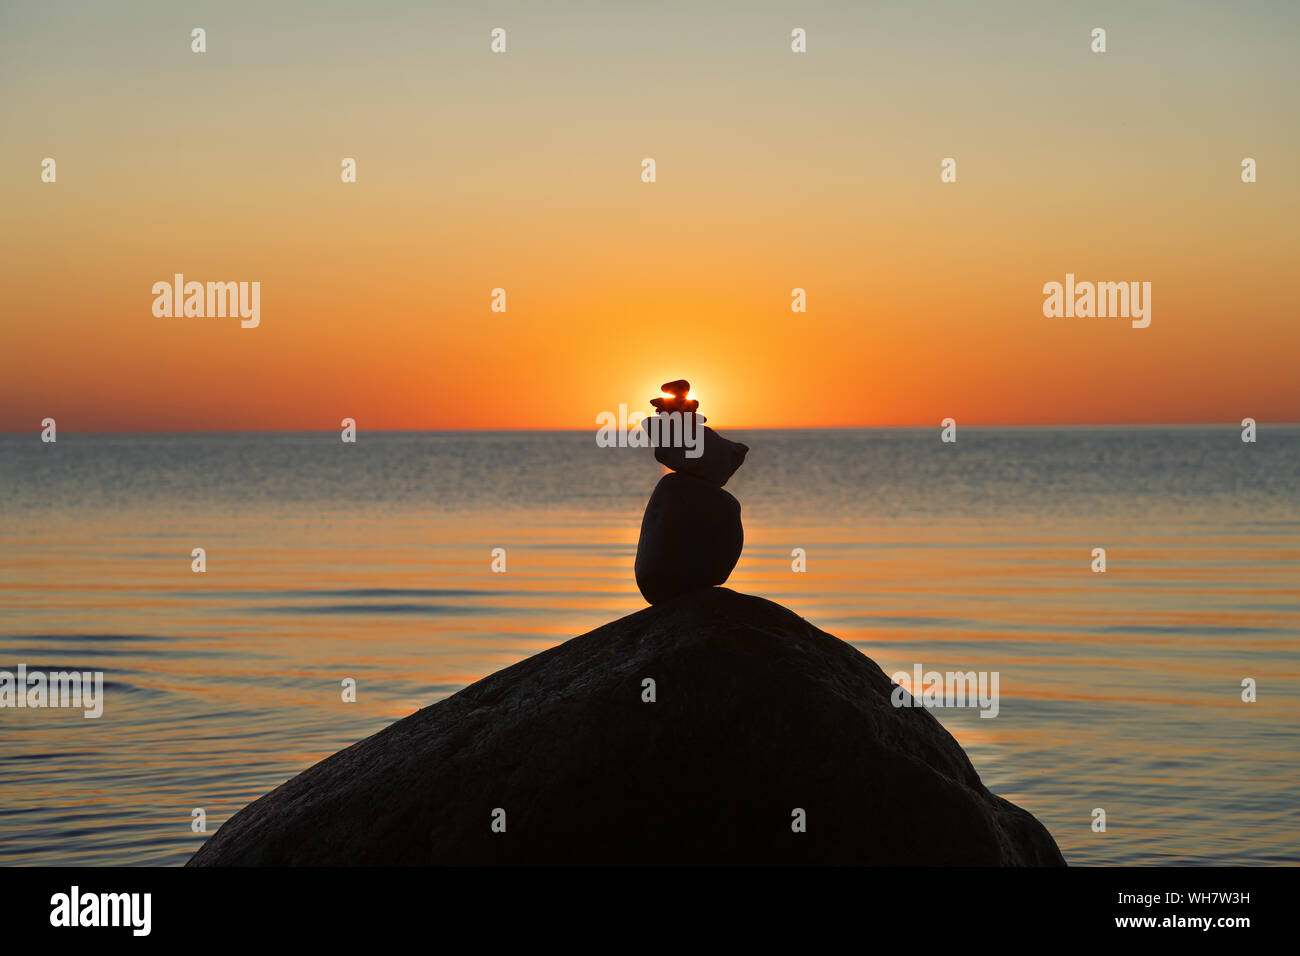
(691, 538)
(756, 714)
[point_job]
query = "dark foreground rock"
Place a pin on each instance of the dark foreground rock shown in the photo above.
(691, 538)
(757, 713)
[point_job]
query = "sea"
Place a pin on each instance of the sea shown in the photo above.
(1159, 695)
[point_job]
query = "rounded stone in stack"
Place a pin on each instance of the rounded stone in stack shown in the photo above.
(691, 538)
(717, 463)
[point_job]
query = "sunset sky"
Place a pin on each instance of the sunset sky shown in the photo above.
(523, 171)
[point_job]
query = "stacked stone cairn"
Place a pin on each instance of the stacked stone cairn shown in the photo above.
(691, 535)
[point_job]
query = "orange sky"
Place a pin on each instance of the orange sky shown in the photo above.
(522, 171)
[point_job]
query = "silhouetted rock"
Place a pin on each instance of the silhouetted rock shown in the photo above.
(691, 537)
(757, 714)
(677, 403)
(667, 429)
(718, 462)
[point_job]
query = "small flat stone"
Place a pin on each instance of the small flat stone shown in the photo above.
(675, 404)
(647, 421)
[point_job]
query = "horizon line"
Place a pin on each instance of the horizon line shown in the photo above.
(752, 428)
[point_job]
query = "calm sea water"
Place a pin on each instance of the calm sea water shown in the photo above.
(372, 561)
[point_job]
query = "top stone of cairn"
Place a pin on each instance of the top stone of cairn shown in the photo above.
(678, 402)
(717, 460)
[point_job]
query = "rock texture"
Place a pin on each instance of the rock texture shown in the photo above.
(757, 713)
(691, 538)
